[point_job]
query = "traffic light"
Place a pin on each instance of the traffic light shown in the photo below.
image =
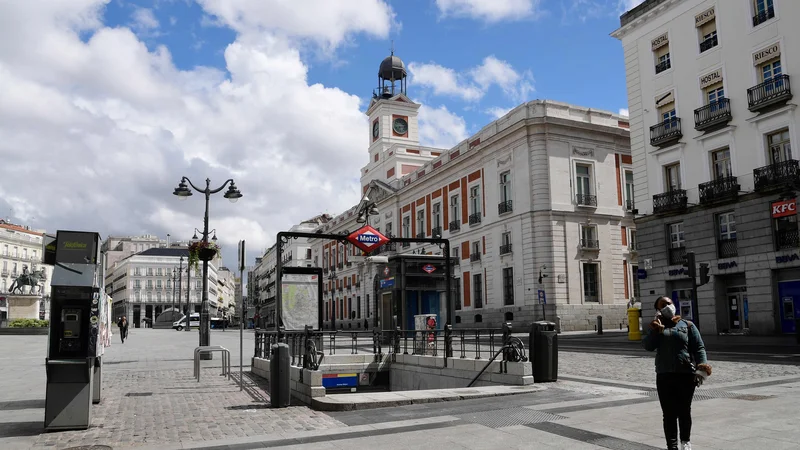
(688, 262)
(704, 278)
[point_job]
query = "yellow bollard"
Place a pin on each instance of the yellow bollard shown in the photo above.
(634, 333)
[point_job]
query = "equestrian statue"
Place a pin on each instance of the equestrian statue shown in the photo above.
(31, 279)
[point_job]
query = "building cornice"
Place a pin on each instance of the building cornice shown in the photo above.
(642, 14)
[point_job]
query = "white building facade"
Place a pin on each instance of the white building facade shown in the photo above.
(712, 122)
(547, 187)
(22, 248)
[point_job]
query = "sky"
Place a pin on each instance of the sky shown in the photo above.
(106, 104)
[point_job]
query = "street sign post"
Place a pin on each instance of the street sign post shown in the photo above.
(242, 312)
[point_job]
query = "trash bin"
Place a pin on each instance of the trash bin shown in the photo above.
(544, 348)
(280, 393)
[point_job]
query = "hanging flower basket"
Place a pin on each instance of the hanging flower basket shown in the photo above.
(201, 251)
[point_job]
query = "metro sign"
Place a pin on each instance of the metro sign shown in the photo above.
(429, 268)
(367, 238)
(784, 208)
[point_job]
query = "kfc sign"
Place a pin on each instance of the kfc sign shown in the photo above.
(784, 208)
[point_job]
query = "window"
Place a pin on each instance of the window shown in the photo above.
(138, 284)
(158, 296)
(160, 273)
(763, 11)
(454, 252)
(505, 186)
(421, 223)
(407, 226)
(5, 250)
(633, 243)
(706, 23)
(780, 148)
(376, 157)
(721, 161)
(589, 236)
(508, 286)
(727, 226)
(34, 254)
(475, 199)
(389, 230)
(149, 297)
(16, 252)
(590, 283)
(583, 180)
(457, 292)
(771, 71)
(477, 290)
(158, 284)
(169, 283)
(785, 231)
(672, 177)
(149, 271)
(25, 253)
(635, 278)
(715, 94)
(454, 208)
(368, 313)
(149, 284)
(660, 47)
(628, 189)
(505, 240)
(436, 218)
(476, 248)
(676, 235)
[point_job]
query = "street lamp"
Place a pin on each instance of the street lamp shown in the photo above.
(183, 192)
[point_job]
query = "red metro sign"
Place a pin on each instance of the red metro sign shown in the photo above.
(784, 208)
(367, 238)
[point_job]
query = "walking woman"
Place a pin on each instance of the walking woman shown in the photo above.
(681, 365)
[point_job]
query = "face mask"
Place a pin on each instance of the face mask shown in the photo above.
(668, 311)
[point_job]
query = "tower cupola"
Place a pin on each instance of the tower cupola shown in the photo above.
(391, 77)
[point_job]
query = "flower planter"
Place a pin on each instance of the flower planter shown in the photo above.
(206, 254)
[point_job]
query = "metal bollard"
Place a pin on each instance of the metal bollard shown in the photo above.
(558, 324)
(599, 324)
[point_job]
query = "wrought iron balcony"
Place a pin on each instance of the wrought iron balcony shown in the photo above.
(786, 239)
(421, 235)
(475, 257)
(674, 200)
(777, 176)
(629, 206)
(504, 207)
(505, 249)
(590, 244)
(455, 225)
(586, 200)
(709, 43)
(660, 67)
(666, 132)
(4, 273)
(726, 188)
(763, 16)
(390, 247)
(475, 218)
(676, 255)
(436, 232)
(727, 248)
(712, 115)
(633, 247)
(776, 91)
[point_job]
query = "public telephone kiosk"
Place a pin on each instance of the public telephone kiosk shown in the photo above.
(78, 318)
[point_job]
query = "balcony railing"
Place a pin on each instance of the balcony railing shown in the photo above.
(505, 249)
(662, 66)
(475, 218)
(421, 235)
(709, 43)
(340, 265)
(455, 225)
(590, 244)
(504, 207)
(676, 255)
(777, 175)
(727, 248)
(726, 188)
(775, 91)
(475, 257)
(406, 244)
(633, 247)
(629, 205)
(586, 200)
(436, 232)
(785, 239)
(763, 16)
(674, 200)
(712, 115)
(666, 132)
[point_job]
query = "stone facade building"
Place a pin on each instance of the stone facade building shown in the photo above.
(22, 248)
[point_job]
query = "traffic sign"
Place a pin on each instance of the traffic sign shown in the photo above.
(429, 268)
(367, 238)
(542, 298)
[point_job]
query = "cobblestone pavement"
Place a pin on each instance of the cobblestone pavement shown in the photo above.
(149, 396)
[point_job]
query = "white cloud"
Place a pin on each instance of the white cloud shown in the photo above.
(144, 19)
(473, 84)
(323, 21)
(627, 5)
(489, 10)
(496, 112)
(96, 133)
(443, 81)
(440, 128)
(624, 112)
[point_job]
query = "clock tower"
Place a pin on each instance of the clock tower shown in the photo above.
(394, 130)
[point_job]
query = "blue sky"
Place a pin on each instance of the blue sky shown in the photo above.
(563, 47)
(131, 95)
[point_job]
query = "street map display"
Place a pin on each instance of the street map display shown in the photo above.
(299, 301)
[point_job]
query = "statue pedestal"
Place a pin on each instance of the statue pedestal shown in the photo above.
(23, 306)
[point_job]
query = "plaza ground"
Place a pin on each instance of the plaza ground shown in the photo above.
(151, 400)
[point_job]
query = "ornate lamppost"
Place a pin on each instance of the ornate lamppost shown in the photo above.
(183, 192)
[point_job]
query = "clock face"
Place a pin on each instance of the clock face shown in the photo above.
(376, 129)
(400, 126)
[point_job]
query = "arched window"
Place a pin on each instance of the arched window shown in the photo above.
(478, 318)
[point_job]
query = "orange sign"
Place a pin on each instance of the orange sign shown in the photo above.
(784, 208)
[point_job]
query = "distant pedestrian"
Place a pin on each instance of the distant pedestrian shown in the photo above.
(123, 328)
(681, 366)
(224, 324)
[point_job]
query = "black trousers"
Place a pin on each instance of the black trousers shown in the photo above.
(675, 392)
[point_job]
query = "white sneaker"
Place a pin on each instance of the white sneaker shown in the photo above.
(686, 445)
